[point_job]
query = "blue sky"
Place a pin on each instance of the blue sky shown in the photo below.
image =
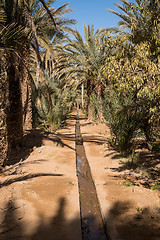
(91, 12)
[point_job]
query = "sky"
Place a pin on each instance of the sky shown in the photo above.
(91, 12)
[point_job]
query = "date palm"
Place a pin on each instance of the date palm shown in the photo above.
(13, 43)
(46, 37)
(81, 60)
(20, 33)
(141, 20)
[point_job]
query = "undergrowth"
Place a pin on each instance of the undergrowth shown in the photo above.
(52, 108)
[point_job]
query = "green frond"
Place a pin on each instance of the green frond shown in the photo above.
(62, 10)
(3, 16)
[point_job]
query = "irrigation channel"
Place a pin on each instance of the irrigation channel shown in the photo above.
(92, 222)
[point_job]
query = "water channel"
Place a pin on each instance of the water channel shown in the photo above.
(92, 222)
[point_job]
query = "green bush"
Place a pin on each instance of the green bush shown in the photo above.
(55, 103)
(122, 124)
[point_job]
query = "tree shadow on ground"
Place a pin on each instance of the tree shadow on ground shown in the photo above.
(83, 118)
(73, 117)
(34, 139)
(12, 169)
(57, 228)
(27, 177)
(86, 124)
(99, 140)
(143, 225)
(144, 165)
(82, 124)
(144, 162)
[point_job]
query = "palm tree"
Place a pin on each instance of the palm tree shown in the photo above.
(62, 99)
(14, 35)
(81, 60)
(45, 39)
(19, 36)
(141, 20)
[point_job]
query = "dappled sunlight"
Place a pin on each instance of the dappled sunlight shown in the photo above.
(79, 120)
(128, 224)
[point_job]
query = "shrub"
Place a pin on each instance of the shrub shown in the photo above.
(123, 125)
(50, 113)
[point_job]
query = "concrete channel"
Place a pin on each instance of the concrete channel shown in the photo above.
(92, 223)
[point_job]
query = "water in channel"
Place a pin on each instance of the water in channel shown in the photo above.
(92, 223)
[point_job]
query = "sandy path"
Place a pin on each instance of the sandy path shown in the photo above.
(40, 199)
(131, 212)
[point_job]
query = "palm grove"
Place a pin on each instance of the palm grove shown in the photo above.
(44, 63)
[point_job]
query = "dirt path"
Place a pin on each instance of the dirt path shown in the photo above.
(130, 207)
(40, 197)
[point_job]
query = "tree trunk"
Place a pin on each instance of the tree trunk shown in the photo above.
(3, 134)
(14, 113)
(82, 95)
(26, 89)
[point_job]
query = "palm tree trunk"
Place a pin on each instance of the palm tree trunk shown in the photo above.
(14, 113)
(82, 95)
(26, 89)
(3, 134)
